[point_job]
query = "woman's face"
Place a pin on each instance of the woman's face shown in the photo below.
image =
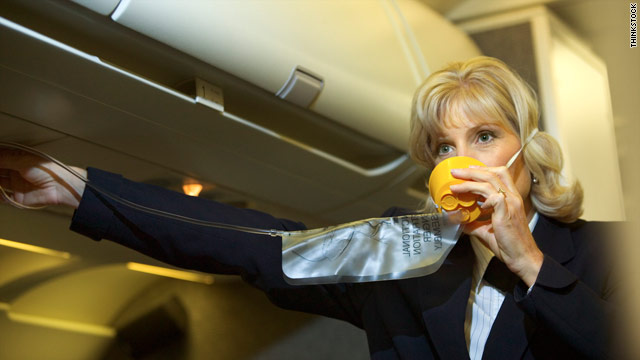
(492, 143)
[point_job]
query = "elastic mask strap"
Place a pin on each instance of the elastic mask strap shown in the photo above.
(515, 156)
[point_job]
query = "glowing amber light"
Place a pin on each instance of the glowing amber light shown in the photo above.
(192, 189)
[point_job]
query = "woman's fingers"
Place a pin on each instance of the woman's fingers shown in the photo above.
(483, 189)
(504, 175)
(36, 181)
(500, 198)
(494, 184)
(19, 172)
(499, 177)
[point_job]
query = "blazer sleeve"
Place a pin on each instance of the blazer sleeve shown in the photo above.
(257, 258)
(576, 298)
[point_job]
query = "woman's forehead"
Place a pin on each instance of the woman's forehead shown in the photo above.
(459, 121)
(467, 112)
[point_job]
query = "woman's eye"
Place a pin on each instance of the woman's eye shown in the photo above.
(444, 149)
(485, 137)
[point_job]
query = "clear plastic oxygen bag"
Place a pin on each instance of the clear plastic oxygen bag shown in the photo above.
(370, 250)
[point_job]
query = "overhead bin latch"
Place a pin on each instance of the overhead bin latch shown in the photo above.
(202, 92)
(209, 95)
(302, 87)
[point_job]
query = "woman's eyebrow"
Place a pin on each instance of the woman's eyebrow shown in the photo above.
(439, 138)
(480, 126)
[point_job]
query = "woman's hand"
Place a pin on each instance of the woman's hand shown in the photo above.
(37, 182)
(507, 233)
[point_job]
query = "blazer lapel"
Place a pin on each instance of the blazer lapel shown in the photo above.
(510, 332)
(443, 300)
(512, 329)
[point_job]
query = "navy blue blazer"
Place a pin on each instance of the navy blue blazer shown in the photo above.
(566, 316)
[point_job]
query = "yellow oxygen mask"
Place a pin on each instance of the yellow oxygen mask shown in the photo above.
(440, 182)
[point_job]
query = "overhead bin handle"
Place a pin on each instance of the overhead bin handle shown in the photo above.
(302, 87)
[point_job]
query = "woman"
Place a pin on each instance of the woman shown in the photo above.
(484, 110)
(549, 299)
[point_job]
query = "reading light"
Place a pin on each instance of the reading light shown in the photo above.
(172, 273)
(192, 189)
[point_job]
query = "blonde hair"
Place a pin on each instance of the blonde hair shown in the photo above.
(486, 88)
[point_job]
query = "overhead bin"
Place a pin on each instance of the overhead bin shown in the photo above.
(114, 89)
(370, 54)
(160, 127)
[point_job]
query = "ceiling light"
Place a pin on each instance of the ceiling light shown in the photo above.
(61, 324)
(172, 273)
(35, 249)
